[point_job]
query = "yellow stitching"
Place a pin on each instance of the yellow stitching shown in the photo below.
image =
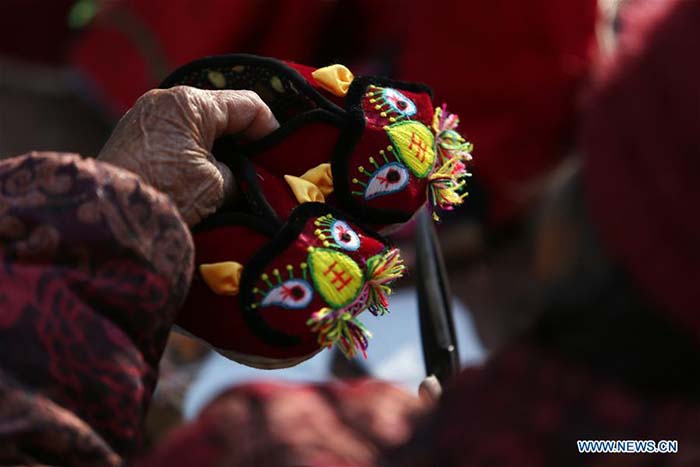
(414, 143)
(336, 276)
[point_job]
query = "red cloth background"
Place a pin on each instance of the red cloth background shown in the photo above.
(640, 137)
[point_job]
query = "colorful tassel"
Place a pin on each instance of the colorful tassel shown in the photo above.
(446, 183)
(341, 328)
(448, 142)
(444, 120)
(382, 270)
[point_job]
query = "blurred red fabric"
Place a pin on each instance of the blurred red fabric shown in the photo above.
(265, 424)
(527, 408)
(642, 155)
(35, 30)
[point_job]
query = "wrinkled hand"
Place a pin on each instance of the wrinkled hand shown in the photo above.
(167, 137)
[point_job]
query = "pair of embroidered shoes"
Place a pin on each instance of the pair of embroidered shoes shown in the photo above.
(284, 271)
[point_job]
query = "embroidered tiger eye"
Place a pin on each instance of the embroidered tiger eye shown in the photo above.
(297, 292)
(393, 176)
(393, 104)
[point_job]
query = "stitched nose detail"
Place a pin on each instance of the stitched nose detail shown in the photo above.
(336, 276)
(414, 143)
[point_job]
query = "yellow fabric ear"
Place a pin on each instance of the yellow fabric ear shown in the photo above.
(222, 278)
(304, 190)
(322, 177)
(334, 78)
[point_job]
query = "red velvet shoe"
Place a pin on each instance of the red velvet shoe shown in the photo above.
(277, 281)
(286, 271)
(377, 148)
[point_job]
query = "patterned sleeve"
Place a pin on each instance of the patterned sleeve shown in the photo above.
(93, 266)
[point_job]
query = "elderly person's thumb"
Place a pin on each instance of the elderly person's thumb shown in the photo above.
(167, 137)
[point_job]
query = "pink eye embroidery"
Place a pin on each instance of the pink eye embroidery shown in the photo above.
(292, 292)
(391, 177)
(399, 103)
(388, 179)
(344, 236)
(336, 234)
(391, 103)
